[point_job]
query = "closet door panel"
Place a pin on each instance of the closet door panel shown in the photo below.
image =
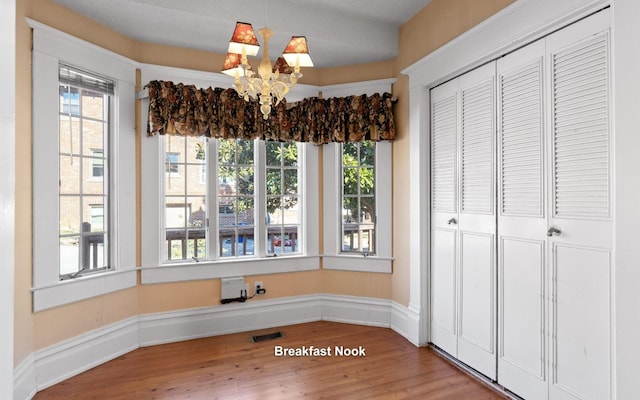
(581, 329)
(476, 343)
(444, 290)
(444, 216)
(581, 221)
(522, 323)
(477, 225)
(522, 224)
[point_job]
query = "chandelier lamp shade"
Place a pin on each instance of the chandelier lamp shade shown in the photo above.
(272, 82)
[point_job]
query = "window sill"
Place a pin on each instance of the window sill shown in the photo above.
(359, 263)
(178, 272)
(81, 288)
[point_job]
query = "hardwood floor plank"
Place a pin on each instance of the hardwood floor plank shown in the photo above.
(234, 367)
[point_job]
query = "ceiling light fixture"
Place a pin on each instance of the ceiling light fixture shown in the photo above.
(271, 83)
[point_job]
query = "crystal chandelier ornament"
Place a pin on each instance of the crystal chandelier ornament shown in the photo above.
(272, 82)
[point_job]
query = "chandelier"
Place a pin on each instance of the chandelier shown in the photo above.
(271, 83)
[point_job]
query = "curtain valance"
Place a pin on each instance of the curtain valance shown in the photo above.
(177, 109)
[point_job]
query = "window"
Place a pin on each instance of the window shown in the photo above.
(283, 197)
(239, 165)
(185, 200)
(357, 213)
(236, 194)
(83, 154)
(84, 206)
(358, 197)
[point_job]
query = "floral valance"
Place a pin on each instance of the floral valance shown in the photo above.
(177, 109)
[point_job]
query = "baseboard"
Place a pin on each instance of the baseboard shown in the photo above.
(63, 360)
(181, 325)
(25, 384)
(71, 357)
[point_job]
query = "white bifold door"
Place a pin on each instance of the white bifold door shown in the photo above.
(463, 259)
(521, 230)
(555, 221)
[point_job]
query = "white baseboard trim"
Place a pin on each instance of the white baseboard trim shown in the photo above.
(63, 360)
(25, 384)
(182, 325)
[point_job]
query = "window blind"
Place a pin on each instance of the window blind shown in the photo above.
(76, 77)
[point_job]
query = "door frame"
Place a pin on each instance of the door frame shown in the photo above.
(7, 193)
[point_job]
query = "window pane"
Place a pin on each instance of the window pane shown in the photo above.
(197, 209)
(245, 152)
(290, 184)
(367, 153)
(367, 210)
(245, 180)
(236, 204)
(367, 180)
(358, 200)
(185, 197)
(290, 154)
(283, 201)
(245, 210)
(92, 105)
(97, 164)
(83, 180)
(69, 215)
(196, 149)
(273, 154)
(226, 152)
(194, 186)
(69, 135)
(350, 180)
(274, 184)
(90, 184)
(350, 209)
(93, 214)
(69, 254)
(69, 100)
(274, 210)
(69, 175)
(175, 212)
(92, 136)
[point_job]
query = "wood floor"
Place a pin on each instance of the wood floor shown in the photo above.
(234, 367)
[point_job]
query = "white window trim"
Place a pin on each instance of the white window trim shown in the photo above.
(333, 257)
(50, 47)
(154, 269)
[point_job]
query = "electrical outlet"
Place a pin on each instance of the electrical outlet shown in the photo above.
(258, 287)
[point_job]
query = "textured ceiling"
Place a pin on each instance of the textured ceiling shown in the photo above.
(339, 32)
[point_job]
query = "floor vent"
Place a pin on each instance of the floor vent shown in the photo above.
(268, 336)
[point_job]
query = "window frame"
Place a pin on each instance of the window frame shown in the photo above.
(50, 48)
(333, 257)
(153, 269)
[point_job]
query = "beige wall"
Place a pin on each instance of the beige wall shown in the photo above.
(436, 24)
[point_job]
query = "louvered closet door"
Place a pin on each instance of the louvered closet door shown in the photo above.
(581, 211)
(477, 221)
(444, 216)
(522, 224)
(463, 273)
